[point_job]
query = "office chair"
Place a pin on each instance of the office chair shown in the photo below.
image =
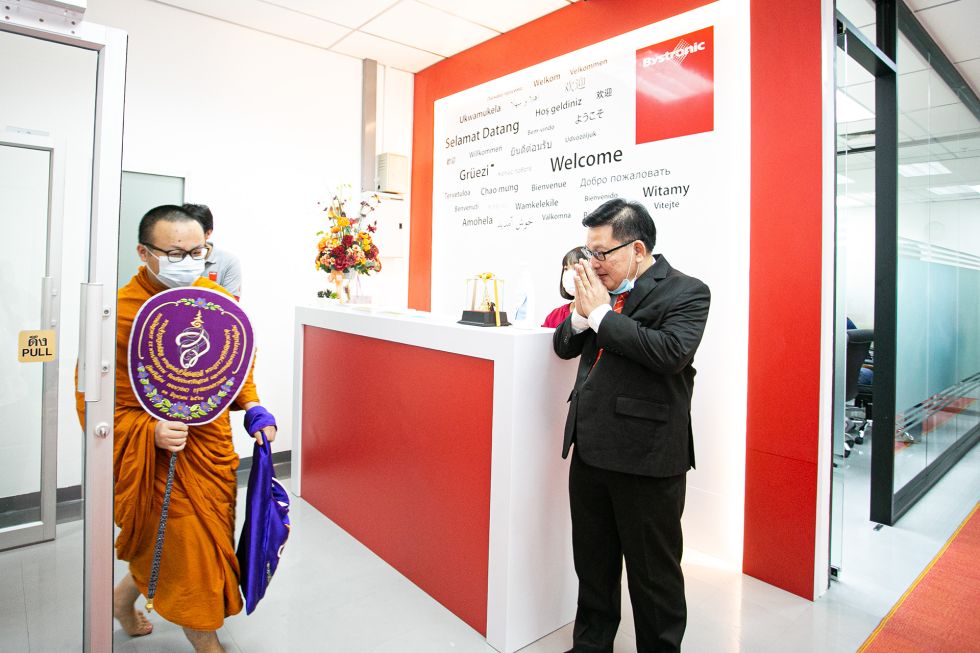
(858, 346)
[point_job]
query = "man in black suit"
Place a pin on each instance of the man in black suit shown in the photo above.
(629, 417)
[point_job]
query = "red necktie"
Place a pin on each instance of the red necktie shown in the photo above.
(617, 307)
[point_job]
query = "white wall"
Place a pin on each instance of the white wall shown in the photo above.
(395, 91)
(263, 128)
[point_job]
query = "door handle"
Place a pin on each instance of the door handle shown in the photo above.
(90, 342)
(46, 283)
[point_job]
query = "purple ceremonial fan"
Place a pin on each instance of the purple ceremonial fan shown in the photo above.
(190, 352)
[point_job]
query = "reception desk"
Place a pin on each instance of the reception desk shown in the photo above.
(438, 446)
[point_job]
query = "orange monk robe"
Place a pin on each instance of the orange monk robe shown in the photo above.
(198, 582)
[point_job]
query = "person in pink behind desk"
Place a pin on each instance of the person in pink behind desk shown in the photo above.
(566, 288)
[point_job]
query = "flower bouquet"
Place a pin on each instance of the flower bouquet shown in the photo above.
(346, 248)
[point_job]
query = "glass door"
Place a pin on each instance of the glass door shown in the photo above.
(854, 289)
(60, 162)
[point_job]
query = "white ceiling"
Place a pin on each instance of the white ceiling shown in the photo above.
(414, 34)
(952, 24)
(933, 123)
(406, 34)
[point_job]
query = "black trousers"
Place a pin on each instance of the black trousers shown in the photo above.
(639, 517)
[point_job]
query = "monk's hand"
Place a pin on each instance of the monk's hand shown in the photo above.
(260, 423)
(171, 436)
(589, 291)
(269, 432)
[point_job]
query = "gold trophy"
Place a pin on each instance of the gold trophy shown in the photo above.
(484, 292)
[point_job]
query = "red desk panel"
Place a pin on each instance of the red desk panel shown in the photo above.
(396, 450)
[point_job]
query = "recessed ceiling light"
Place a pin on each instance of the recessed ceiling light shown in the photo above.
(922, 169)
(954, 190)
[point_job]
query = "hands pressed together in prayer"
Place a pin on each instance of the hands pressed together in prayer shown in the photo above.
(590, 293)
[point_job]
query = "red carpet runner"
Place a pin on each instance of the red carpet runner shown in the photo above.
(938, 613)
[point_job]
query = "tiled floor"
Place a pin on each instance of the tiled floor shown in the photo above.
(331, 594)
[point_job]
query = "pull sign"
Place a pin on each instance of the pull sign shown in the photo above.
(37, 346)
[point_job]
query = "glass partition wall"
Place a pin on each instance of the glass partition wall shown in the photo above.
(937, 375)
(921, 182)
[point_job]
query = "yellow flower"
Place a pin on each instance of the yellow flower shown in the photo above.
(343, 222)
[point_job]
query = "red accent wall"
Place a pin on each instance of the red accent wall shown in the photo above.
(784, 288)
(396, 451)
(785, 256)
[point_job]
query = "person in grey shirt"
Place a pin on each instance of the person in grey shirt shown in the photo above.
(221, 266)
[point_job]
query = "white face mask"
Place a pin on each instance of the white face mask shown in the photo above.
(182, 273)
(568, 281)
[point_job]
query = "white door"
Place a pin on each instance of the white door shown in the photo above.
(61, 123)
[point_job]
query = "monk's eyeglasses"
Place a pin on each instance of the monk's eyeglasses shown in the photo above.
(178, 255)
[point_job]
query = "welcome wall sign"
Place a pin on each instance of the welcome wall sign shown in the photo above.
(658, 115)
(190, 351)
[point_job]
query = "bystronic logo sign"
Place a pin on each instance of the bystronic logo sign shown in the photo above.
(678, 54)
(675, 86)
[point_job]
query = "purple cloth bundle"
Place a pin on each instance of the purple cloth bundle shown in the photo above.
(266, 527)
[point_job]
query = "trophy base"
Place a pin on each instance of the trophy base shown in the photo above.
(483, 319)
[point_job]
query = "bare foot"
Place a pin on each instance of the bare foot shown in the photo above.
(133, 622)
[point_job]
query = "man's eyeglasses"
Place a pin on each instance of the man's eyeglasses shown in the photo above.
(601, 256)
(178, 255)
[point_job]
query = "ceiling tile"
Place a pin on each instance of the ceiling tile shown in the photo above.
(863, 94)
(909, 59)
(500, 15)
(966, 147)
(427, 28)
(954, 27)
(922, 90)
(267, 18)
(344, 12)
(947, 120)
(389, 53)
(858, 12)
(916, 5)
(910, 128)
(971, 73)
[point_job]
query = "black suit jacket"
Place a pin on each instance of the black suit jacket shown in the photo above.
(632, 413)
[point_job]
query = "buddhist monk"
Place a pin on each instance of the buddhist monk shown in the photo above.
(198, 580)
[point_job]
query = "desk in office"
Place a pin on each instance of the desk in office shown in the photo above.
(438, 446)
